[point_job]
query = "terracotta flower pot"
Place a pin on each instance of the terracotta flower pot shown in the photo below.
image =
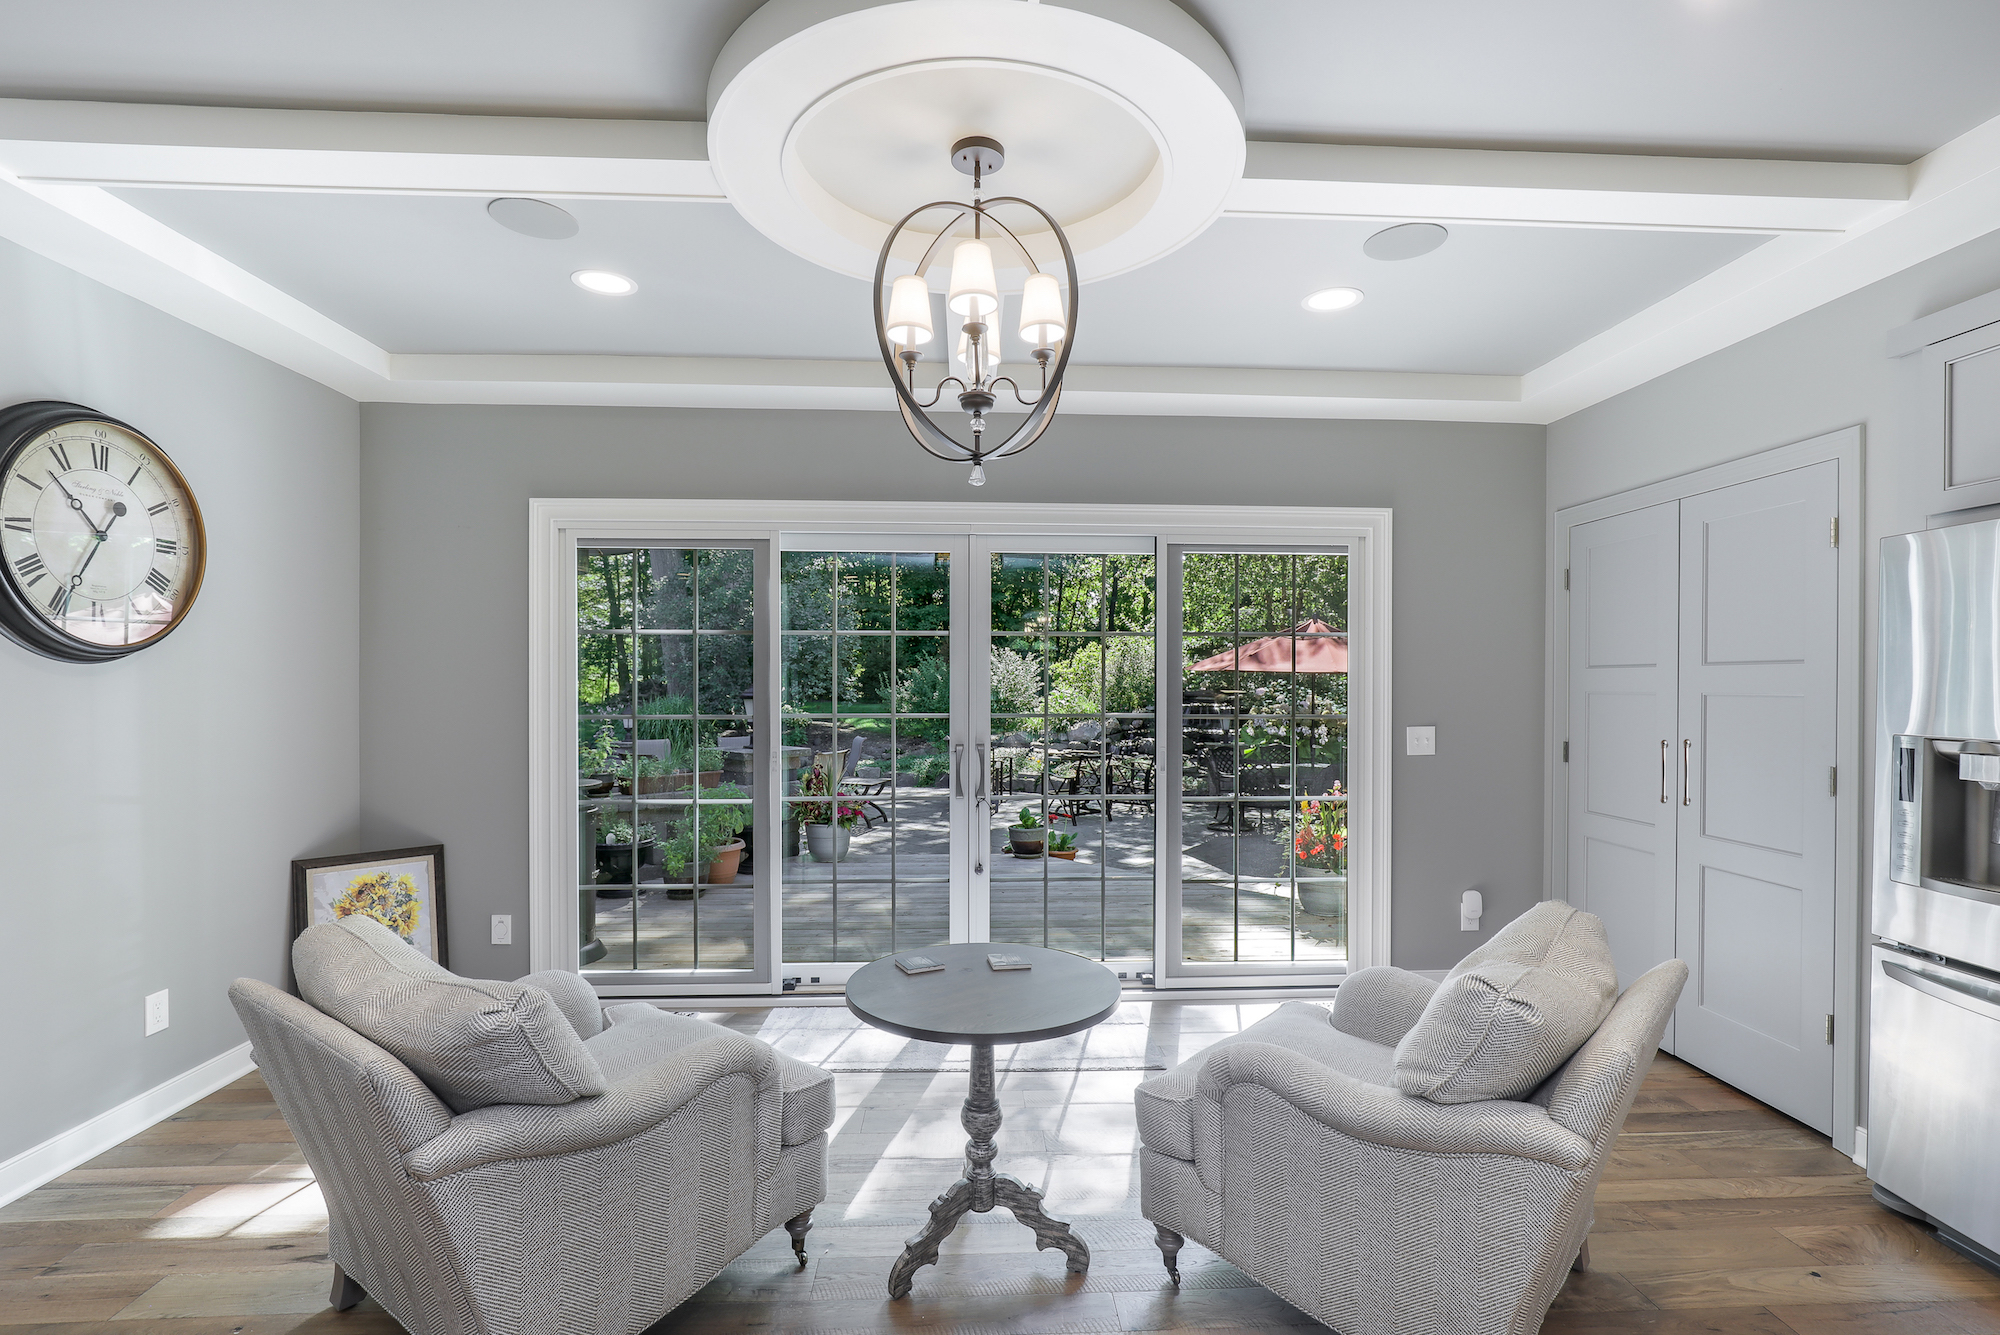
(721, 868)
(1067, 854)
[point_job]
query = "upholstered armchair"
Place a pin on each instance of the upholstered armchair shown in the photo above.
(497, 1159)
(1423, 1157)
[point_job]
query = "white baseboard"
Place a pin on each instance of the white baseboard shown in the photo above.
(60, 1153)
(1860, 1155)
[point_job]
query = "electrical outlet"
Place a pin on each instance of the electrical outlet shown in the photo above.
(156, 1012)
(503, 929)
(1421, 741)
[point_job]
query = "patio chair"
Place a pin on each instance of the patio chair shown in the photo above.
(862, 792)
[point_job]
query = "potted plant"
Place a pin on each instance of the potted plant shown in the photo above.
(1319, 840)
(707, 771)
(597, 764)
(1027, 835)
(827, 821)
(1062, 846)
(616, 847)
(717, 852)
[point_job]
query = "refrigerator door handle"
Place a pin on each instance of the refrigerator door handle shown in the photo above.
(1965, 994)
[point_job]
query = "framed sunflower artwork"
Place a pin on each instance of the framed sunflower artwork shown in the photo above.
(402, 888)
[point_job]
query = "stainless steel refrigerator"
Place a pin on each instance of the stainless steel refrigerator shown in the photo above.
(1934, 963)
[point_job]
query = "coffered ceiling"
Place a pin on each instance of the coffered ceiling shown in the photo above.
(1626, 187)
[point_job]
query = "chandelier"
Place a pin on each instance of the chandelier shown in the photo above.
(1047, 321)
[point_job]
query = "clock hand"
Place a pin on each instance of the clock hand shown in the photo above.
(117, 512)
(77, 506)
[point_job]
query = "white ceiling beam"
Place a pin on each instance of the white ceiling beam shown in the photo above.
(1602, 190)
(1954, 198)
(104, 238)
(134, 146)
(756, 382)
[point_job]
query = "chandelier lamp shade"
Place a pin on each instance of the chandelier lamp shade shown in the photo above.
(974, 302)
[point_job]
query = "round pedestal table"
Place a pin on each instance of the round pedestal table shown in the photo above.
(968, 1002)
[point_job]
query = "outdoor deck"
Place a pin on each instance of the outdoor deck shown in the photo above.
(892, 892)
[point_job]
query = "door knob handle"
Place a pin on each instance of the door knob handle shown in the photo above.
(1687, 794)
(1663, 771)
(958, 770)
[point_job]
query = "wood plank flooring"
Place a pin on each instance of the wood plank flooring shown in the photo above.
(1716, 1215)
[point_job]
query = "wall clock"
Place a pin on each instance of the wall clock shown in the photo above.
(101, 543)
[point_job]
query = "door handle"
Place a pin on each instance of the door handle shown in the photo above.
(979, 819)
(1687, 795)
(958, 770)
(1663, 771)
(1964, 994)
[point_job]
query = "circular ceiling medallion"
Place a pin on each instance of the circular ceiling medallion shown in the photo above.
(825, 131)
(1405, 241)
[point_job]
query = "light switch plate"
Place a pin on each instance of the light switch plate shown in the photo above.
(1421, 741)
(503, 929)
(156, 1012)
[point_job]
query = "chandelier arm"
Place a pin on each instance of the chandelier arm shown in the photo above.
(1008, 381)
(924, 259)
(939, 392)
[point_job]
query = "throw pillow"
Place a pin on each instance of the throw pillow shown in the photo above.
(1513, 1010)
(474, 1041)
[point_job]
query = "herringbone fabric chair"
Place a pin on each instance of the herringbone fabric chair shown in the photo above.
(591, 1217)
(1288, 1150)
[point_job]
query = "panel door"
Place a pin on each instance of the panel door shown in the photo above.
(1624, 791)
(1754, 892)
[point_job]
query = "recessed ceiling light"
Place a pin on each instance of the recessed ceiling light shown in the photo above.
(1333, 299)
(607, 284)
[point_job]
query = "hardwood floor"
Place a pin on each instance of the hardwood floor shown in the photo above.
(1716, 1215)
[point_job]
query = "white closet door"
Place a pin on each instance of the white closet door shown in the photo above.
(1624, 770)
(1758, 594)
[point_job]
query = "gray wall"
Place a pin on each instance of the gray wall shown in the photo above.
(445, 495)
(149, 809)
(1823, 370)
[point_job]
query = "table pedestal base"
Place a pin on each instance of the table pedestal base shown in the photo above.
(981, 1189)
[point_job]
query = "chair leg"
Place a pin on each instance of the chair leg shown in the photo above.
(798, 1228)
(346, 1293)
(1169, 1243)
(1582, 1261)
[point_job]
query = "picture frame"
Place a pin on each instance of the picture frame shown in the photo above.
(406, 894)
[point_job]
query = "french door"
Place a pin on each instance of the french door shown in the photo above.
(801, 749)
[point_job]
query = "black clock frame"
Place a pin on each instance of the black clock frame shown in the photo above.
(19, 621)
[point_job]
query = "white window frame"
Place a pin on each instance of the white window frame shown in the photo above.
(557, 527)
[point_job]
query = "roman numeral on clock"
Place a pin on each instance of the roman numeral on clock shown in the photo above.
(159, 509)
(166, 546)
(59, 600)
(15, 525)
(159, 583)
(55, 448)
(100, 457)
(30, 569)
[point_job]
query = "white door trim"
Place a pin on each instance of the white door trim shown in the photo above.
(1845, 447)
(555, 525)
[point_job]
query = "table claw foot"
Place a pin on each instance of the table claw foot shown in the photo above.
(1026, 1203)
(922, 1250)
(1169, 1243)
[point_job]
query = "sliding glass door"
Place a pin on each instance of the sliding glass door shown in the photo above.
(800, 752)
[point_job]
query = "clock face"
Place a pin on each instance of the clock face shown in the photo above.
(101, 543)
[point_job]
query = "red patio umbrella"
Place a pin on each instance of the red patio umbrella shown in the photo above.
(1320, 648)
